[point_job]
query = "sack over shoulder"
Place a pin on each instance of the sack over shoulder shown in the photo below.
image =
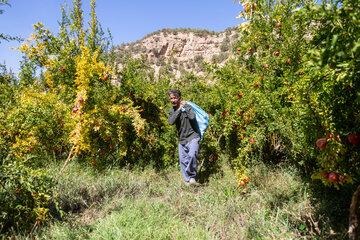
(202, 119)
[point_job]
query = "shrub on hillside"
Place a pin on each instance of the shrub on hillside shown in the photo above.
(25, 196)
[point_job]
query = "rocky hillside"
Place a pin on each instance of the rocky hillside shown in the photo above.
(180, 50)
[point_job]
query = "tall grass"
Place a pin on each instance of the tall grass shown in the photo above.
(145, 204)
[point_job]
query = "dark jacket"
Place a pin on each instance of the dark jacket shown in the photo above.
(185, 123)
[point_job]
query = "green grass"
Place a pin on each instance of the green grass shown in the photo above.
(134, 204)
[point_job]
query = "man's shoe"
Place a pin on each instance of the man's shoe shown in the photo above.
(192, 181)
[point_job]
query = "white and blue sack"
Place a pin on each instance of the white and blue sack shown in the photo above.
(202, 119)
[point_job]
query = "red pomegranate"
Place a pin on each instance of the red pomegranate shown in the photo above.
(321, 143)
(354, 138)
(333, 177)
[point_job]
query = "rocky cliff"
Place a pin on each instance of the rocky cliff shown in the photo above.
(181, 50)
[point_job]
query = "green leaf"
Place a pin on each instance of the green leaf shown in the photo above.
(334, 40)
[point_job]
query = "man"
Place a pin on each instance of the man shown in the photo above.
(183, 115)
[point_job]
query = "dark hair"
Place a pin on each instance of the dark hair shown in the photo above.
(175, 92)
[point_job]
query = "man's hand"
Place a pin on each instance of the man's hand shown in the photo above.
(182, 104)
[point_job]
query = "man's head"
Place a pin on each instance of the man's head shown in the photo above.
(175, 96)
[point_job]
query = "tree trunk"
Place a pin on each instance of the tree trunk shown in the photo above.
(353, 218)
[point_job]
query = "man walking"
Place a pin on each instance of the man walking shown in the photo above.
(183, 115)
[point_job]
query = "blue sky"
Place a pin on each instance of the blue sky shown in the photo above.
(127, 21)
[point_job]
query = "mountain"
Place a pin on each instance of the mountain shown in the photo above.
(180, 50)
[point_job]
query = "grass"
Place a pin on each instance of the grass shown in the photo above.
(145, 204)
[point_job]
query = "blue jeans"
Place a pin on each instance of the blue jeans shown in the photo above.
(188, 161)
